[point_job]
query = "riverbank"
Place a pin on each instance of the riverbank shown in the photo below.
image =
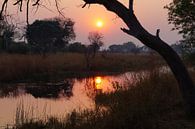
(56, 67)
(154, 102)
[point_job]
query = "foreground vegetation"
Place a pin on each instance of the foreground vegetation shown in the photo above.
(152, 103)
(54, 67)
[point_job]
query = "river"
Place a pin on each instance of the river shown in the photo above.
(55, 99)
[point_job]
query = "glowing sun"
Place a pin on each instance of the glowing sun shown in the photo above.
(99, 23)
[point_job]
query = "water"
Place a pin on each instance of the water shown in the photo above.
(49, 99)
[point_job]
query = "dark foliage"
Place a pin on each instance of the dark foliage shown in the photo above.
(77, 47)
(50, 35)
(128, 47)
(6, 34)
(182, 15)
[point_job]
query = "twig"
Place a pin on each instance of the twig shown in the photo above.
(47, 8)
(157, 32)
(3, 8)
(84, 5)
(57, 6)
(131, 6)
(21, 5)
(17, 2)
(36, 3)
(128, 32)
(27, 12)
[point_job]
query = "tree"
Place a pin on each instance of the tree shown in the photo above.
(49, 35)
(182, 15)
(77, 47)
(95, 39)
(116, 48)
(128, 47)
(154, 42)
(7, 31)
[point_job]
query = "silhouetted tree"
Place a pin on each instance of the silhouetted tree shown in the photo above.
(116, 48)
(6, 34)
(77, 47)
(49, 35)
(128, 47)
(95, 39)
(182, 15)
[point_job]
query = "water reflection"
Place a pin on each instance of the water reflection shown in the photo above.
(11, 90)
(47, 90)
(52, 90)
(105, 84)
(59, 98)
(91, 85)
(98, 83)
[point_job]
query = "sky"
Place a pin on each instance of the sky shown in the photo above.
(151, 14)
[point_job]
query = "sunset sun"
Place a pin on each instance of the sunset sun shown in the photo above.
(99, 23)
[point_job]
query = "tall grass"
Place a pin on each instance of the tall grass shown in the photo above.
(154, 102)
(27, 114)
(20, 67)
(16, 67)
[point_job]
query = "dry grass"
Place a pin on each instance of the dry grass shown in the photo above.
(19, 67)
(16, 67)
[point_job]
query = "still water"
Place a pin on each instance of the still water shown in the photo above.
(49, 99)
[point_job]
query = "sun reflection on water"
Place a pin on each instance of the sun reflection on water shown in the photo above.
(98, 83)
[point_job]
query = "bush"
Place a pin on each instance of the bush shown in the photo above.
(20, 47)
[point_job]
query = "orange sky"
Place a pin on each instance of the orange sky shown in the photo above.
(150, 13)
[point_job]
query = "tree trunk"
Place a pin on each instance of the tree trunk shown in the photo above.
(179, 70)
(154, 42)
(173, 60)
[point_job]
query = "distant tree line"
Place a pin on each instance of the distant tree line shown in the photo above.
(47, 36)
(54, 35)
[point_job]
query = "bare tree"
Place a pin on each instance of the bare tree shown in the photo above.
(154, 42)
(95, 39)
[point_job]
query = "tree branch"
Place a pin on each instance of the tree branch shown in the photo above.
(123, 12)
(157, 32)
(3, 8)
(84, 5)
(17, 2)
(36, 3)
(59, 11)
(21, 5)
(113, 6)
(27, 12)
(131, 6)
(129, 32)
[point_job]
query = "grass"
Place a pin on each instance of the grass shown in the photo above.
(154, 102)
(55, 67)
